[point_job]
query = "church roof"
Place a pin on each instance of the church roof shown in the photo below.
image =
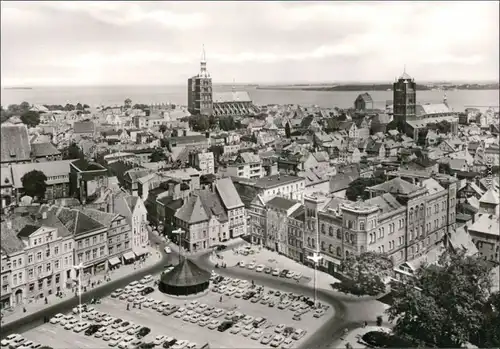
(405, 76)
(184, 274)
(490, 197)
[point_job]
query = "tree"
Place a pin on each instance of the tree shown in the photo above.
(157, 155)
(212, 122)
(72, 151)
(24, 107)
(288, 131)
(34, 184)
(128, 103)
(69, 107)
(199, 123)
(357, 187)
(444, 304)
(422, 136)
(227, 123)
(30, 118)
(163, 128)
(366, 273)
(86, 106)
(79, 106)
(489, 335)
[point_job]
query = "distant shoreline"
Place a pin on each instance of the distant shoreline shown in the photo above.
(18, 88)
(377, 87)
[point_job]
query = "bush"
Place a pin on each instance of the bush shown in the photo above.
(386, 340)
(354, 288)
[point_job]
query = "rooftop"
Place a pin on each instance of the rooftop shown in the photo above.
(281, 203)
(396, 186)
(228, 193)
(15, 144)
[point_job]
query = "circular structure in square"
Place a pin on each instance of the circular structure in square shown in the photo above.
(185, 279)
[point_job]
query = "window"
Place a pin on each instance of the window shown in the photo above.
(48, 267)
(339, 234)
(94, 253)
(361, 225)
(339, 251)
(30, 259)
(39, 256)
(87, 255)
(323, 231)
(47, 252)
(39, 270)
(330, 231)
(94, 240)
(322, 245)
(56, 250)
(101, 251)
(56, 264)
(30, 273)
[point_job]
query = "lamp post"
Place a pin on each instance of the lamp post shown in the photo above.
(316, 257)
(79, 267)
(179, 232)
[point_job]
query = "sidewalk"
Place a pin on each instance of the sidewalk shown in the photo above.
(274, 260)
(39, 304)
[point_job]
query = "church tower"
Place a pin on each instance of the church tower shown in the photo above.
(404, 99)
(200, 90)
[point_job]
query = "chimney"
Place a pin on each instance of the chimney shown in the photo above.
(44, 215)
(184, 133)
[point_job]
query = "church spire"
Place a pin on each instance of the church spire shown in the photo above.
(203, 64)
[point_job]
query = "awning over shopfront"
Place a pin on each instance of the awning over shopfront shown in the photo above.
(331, 259)
(114, 261)
(129, 256)
(140, 251)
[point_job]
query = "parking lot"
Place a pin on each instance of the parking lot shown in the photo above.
(221, 296)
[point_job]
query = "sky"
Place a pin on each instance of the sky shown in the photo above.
(160, 43)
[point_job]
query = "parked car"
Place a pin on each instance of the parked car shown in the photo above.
(70, 324)
(133, 329)
(212, 325)
(260, 268)
(65, 319)
(146, 279)
(169, 342)
(297, 276)
(251, 266)
(114, 340)
(319, 313)
(108, 334)
(82, 326)
(143, 332)
(56, 318)
(276, 272)
(98, 330)
(225, 326)
(116, 323)
(9, 339)
(287, 343)
(298, 334)
(257, 334)
(180, 344)
(247, 330)
(268, 270)
(277, 340)
(283, 273)
(267, 338)
(235, 329)
(116, 293)
(146, 291)
(279, 328)
(16, 343)
(259, 322)
(30, 345)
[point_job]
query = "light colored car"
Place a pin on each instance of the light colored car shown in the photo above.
(77, 309)
(276, 272)
(217, 313)
(123, 329)
(10, 339)
(194, 318)
(107, 321)
(90, 315)
(56, 318)
(251, 266)
(297, 276)
(319, 313)
(100, 332)
(212, 325)
(290, 274)
(146, 279)
(279, 328)
(203, 321)
(159, 340)
(65, 319)
(125, 342)
(267, 338)
(265, 299)
(287, 343)
(114, 340)
(180, 344)
(193, 305)
(82, 326)
(70, 324)
(230, 291)
(222, 289)
(191, 345)
(247, 320)
(285, 304)
(134, 284)
(109, 334)
(133, 329)
(242, 264)
(257, 333)
(298, 334)
(244, 284)
(247, 330)
(117, 293)
(240, 293)
(235, 282)
(277, 340)
(123, 296)
(260, 268)
(229, 315)
(235, 329)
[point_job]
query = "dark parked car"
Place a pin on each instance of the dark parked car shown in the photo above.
(283, 273)
(92, 329)
(225, 326)
(147, 291)
(167, 345)
(146, 346)
(248, 295)
(220, 247)
(143, 332)
(117, 321)
(218, 279)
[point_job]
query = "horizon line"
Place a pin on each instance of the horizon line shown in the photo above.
(291, 83)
